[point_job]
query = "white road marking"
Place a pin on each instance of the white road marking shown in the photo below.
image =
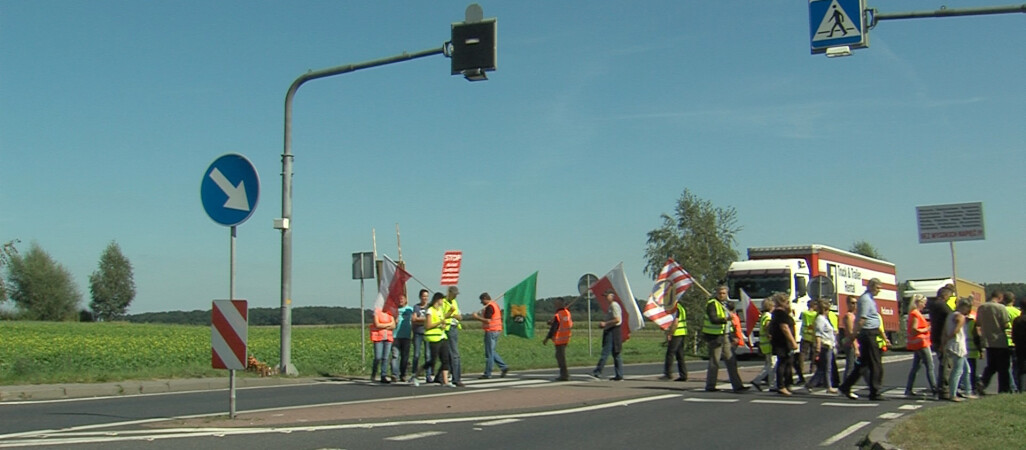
(496, 422)
(711, 400)
(851, 405)
(890, 416)
(410, 437)
(781, 402)
(910, 407)
(847, 431)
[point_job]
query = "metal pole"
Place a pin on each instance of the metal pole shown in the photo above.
(286, 193)
(231, 296)
(875, 16)
(363, 339)
(954, 270)
(589, 324)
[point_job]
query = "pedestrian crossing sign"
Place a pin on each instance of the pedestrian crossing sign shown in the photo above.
(837, 23)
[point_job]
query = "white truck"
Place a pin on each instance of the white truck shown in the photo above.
(789, 269)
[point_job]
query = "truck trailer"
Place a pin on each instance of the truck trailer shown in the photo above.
(790, 268)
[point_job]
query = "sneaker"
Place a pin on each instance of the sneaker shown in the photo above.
(831, 390)
(616, 379)
(596, 374)
(757, 386)
(848, 393)
(449, 385)
(414, 382)
(682, 378)
(741, 389)
(385, 380)
(504, 372)
(428, 379)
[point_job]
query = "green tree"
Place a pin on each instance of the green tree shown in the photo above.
(7, 251)
(865, 249)
(701, 237)
(112, 285)
(41, 288)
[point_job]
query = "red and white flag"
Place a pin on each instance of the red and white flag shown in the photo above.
(390, 287)
(672, 275)
(751, 312)
(617, 281)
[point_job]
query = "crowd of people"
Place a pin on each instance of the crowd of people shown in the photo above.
(431, 328)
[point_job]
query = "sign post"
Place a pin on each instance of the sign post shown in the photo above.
(229, 193)
(950, 223)
(584, 287)
(363, 268)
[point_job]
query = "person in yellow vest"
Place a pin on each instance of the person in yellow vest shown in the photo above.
(714, 333)
(559, 333)
(491, 321)
(434, 333)
(381, 336)
(768, 374)
(972, 340)
(1013, 313)
(918, 332)
(675, 341)
(452, 334)
(805, 348)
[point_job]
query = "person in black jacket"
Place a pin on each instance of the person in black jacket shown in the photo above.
(939, 310)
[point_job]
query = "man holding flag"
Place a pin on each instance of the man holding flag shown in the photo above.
(714, 332)
(673, 318)
(675, 345)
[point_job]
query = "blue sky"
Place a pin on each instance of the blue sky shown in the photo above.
(599, 116)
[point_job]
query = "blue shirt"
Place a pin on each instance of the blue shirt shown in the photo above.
(420, 311)
(867, 310)
(403, 328)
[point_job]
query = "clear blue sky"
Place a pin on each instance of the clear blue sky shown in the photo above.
(599, 116)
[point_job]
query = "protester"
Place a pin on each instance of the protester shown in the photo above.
(919, 343)
(403, 337)
(421, 345)
(560, 327)
(769, 373)
(940, 307)
(783, 341)
(434, 333)
(805, 347)
(823, 346)
(612, 339)
(452, 332)
(714, 333)
(849, 344)
(1013, 313)
(955, 348)
(491, 321)
(675, 342)
(1019, 339)
(992, 319)
(867, 332)
(381, 336)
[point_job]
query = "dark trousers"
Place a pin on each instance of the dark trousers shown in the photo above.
(564, 373)
(998, 360)
(785, 365)
(870, 359)
(402, 345)
(675, 350)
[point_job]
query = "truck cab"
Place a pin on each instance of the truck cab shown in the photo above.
(761, 278)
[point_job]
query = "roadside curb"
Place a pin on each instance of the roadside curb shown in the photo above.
(877, 437)
(131, 387)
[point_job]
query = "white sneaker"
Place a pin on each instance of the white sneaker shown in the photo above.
(449, 385)
(414, 382)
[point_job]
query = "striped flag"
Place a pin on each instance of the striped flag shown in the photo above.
(391, 286)
(672, 275)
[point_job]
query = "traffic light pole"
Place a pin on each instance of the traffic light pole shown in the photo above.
(286, 193)
(874, 17)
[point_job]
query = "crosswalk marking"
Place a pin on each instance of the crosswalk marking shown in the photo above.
(410, 437)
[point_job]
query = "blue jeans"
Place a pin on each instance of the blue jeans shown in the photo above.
(923, 357)
(454, 354)
(958, 366)
(607, 349)
(382, 354)
(420, 345)
(822, 375)
(491, 356)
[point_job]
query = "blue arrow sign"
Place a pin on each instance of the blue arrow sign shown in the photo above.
(230, 189)
(836, 23)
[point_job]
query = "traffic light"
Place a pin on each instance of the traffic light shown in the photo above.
(473, 48)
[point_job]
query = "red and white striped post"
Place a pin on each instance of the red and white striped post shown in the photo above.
(229, 329)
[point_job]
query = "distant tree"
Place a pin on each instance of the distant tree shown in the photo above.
(41, 288)
(701, 237)
(112, 285)
(7, 251)
(865, 249)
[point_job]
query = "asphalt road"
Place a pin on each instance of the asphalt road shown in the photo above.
(523, 409)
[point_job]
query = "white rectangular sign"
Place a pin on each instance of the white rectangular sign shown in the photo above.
(946, 223)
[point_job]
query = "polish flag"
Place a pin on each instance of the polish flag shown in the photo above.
(617, 281)
(752, 313)
(672, 275)
(391, 286)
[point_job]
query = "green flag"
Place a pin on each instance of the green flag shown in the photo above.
(518, 319)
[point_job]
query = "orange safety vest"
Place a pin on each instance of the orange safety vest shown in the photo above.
(739, 337)
(380, 334)
(562, 336)
(495, 322)
(917, 340)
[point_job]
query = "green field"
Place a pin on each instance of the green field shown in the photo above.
(73, 352)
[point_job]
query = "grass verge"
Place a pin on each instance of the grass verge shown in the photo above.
(991, 422)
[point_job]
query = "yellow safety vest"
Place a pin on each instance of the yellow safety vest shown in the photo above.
(437, 333)
(682, 321)
(716, 329)
(809, 326)
(451, 305)
(1013, 313)
(765, 344)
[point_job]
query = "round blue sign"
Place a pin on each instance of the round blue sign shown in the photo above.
(230, 189)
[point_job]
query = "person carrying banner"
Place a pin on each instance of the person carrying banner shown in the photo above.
(560, 327)
(452, 332)
(675, 341)
(612, 338)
